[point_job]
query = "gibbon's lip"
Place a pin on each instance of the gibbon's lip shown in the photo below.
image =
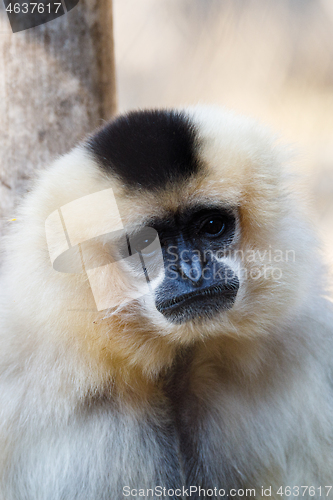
(228, 290)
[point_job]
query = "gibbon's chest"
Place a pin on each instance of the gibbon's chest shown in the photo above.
(167, 445)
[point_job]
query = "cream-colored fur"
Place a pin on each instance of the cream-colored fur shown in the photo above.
(83, 403)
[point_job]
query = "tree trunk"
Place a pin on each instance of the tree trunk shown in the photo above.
(57, 83)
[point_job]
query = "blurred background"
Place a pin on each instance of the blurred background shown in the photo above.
(272, 59)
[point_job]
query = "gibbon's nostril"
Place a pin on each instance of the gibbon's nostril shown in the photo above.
(191, 270)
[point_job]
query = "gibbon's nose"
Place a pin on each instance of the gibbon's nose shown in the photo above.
(190, 266)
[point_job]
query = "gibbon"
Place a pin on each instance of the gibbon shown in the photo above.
(164, 326)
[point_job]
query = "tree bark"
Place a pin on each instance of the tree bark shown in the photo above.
(57, 83)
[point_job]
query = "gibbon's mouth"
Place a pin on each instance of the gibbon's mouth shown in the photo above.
(203, 303)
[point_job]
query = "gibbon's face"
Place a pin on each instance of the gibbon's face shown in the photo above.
(158, 152)
(194, 283)
(200, 225)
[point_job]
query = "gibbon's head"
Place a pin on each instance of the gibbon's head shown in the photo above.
(165, 224)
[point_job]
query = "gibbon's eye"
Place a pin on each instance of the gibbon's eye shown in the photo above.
(143, 242)
(213, 226)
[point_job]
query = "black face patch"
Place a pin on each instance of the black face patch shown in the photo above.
(147, 148)
(197, 282)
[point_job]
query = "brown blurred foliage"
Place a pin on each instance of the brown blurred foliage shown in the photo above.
(272, 59)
